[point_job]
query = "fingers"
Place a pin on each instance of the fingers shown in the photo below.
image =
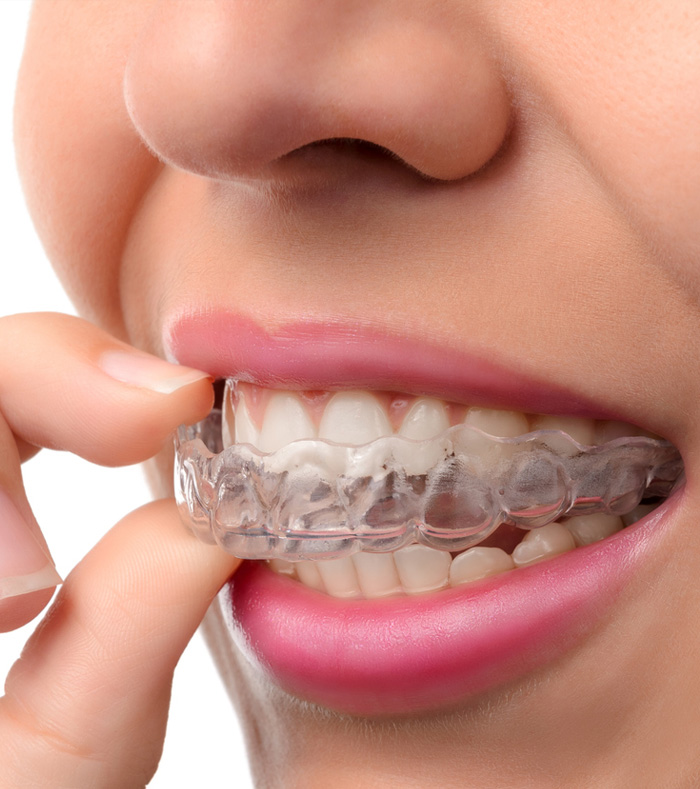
(27, 573)
(68, 385)
(86, 704)
(65, 384)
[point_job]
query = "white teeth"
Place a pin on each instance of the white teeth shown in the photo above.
(283, 567)
(422, 569)
(478, 563)
(309, 575)
(353, 418)
(377, 574)
(579, 429)
(505, 424)
(339, 577)
(286, 420)
(426, 419)
(245, 430)
(228, 421)
(542, 543)
(587, 529)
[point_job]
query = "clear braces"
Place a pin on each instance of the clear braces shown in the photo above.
(314, 499)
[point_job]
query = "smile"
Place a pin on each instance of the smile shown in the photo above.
(417, 546)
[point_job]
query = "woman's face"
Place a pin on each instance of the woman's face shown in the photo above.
(517, 227)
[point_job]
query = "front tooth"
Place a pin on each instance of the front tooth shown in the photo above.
(245, 431)
(579, 429)
(377, 574)
(478, 563)
(353, 418)
(587, 529)
(504, 424)
(286, 420)
(339, 577)
(426, 419)
(309, 575)
(538, 544)
(422, 569)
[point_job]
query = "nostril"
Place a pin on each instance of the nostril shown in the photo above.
(333, 151)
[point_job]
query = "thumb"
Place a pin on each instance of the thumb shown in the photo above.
(86, 704)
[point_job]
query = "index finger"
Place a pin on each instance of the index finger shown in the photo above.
(65, 384)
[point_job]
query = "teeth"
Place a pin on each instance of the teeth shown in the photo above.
(308, 573)
(353, 418)
(286, 420)
(426, 419)
(478, 563)
(228, 421)
(283, 567)
(587, 529)
(377, 574)
(339, 577)
(245, 430)
(422, 569)
(505, 424)
(417, 569)
(579, 429)
(352, 421)
(609, 429)
(542, 543)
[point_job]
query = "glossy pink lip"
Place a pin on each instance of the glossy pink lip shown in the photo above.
(311, 355)
(407, 655)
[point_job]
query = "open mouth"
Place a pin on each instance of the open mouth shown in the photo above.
(414, 550)
(366, 494)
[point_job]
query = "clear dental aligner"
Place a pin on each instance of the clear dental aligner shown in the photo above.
(314, 499)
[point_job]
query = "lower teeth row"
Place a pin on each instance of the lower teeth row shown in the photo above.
(318, 500)
(417, 569)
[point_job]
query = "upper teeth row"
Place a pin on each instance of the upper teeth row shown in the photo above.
(358, 417)
(322, 498)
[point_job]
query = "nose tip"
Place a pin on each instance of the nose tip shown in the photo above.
(224, 89)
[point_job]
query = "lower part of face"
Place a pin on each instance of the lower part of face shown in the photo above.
(493, 209)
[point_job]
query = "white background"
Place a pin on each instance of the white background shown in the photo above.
(75, 502)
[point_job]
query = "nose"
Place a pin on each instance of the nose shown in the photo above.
(225, 88)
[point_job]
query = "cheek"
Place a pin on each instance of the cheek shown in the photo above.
(622, 79)
(82, 165)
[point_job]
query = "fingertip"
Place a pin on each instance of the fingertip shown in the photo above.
(145, 371)
(19, 610)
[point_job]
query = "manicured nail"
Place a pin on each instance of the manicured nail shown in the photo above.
(148, 372)
(24, 565)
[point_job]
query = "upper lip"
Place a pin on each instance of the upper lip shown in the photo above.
(315, 355)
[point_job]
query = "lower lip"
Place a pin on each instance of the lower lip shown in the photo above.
(407, 655)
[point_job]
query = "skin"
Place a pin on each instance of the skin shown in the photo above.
(541, 207)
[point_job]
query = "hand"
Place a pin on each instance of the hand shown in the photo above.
(86, 704)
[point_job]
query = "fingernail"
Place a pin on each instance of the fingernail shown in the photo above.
(24, 565)
(148, 372)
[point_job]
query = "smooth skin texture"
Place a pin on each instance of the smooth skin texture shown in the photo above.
(531, 194)
(103, 658)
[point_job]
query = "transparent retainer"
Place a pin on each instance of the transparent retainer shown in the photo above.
(314, 499)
